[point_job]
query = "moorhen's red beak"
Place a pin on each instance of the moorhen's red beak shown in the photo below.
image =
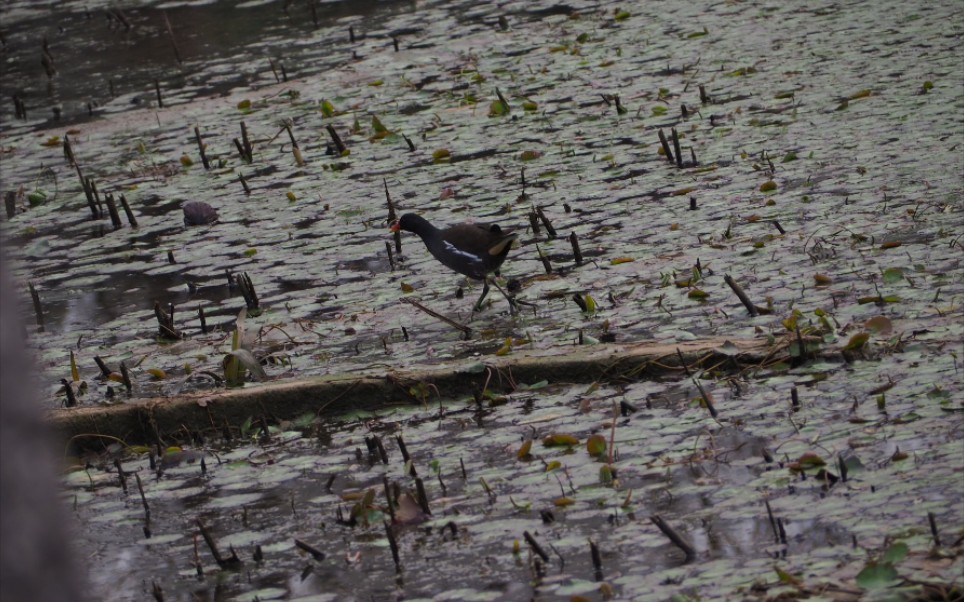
(395, 227)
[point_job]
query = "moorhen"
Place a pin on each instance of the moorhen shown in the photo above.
(473, 250)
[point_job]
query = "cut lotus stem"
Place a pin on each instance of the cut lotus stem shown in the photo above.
(674, 537)
(576, 253)
(465, 475)
(704, 98)
(200, 148)
(112, 210)
(165, 323)
(388, 497)
(395, 43)
(10, 203)
(693, 162)
(505, 103)
(682, 363)
(779, 228)
(104, 370)
(794, 399)
(126, 377)
(127, 210)
(225, 563)
(157, 91)
(314, 14)
(170, 257)
(246, 143)
(68, 151)
(842, 467)
(783, 532)
(391, 255)
(336, 139)
(244, 183)
(351, 34)
(411, 145)
(801, 350)
(534, 545)
(692, 203)
(466, 331)
(679, 154)
(393, 545)
(742, 296)
(392, 215)
(204, 324)
(534, 223)
(121, 476)
(933, 523)
(596, 560)
(71, 400)
(315, 552)
(37, 308)
(422, 496)
(665, 144)
(773, 521)
(545, 222)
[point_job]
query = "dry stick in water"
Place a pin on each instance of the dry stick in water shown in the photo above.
(742, 296)
(157, 90)
(674, 537)
(665, 144)
(336, 139)
(393, 545)
(130, 214)
(112, 210)
(679, 154)
(170, 32)
(535, 546)
(466, 331)
(200, 147)
(576, 253)
(545, 222)
(37, 308)
(315, 552)
(706, 398)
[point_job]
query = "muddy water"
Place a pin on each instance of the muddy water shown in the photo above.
(106, 63)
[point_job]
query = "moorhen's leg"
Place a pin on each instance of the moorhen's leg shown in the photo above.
(511, 300)
(485, 291)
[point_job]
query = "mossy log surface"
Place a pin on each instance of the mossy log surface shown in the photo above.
(155, 419)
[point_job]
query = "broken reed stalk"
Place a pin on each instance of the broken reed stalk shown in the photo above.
(157, 90)
(295, 149)
(773, 521)
(200, 148)
(37, 307)
(534, 223)
(391, 256)
(85, 184)
(246, 144)
(126, 377)
(225, 563)
(244, 183)
(10, 203)
(127, 210)
(742, 296)
(934, 533)
(674, 537)
(246, 286)
(545, 222)
(534, 545)
(576, 252)
(104, 370)
(679, 154)
(112, 210)
(204, 324)
(596, 560)
(392, 216)
(665, 144)
(544, 259)
(315, 552)
(336, 139)
(466, 331)
(68, 151)
(422, 496)
(170, 32)
(393, 545)
(388, 497)
(707, 400)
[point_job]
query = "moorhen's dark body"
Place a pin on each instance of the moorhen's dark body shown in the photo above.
(473, 250)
